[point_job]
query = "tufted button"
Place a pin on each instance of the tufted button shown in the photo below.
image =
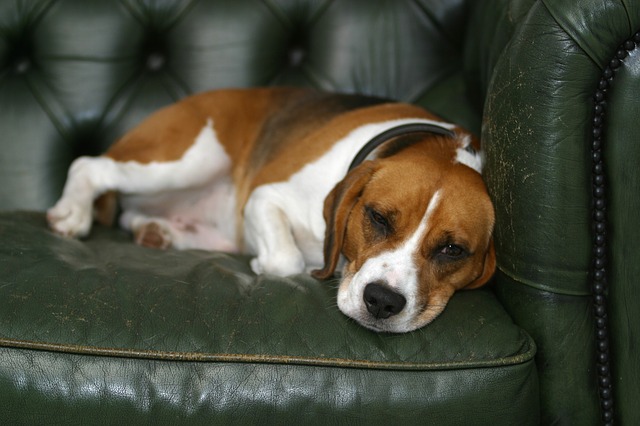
(154, 50)
(155, 61)
(21, 65)
(296, 56)
(18, 57)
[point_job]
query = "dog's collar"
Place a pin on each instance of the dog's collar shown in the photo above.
(394, 132)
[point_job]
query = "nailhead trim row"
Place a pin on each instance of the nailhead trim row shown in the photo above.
(600, 283)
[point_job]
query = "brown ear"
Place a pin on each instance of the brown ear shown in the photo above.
(337, 207)
(489, 268)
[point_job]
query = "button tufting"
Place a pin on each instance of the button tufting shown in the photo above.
(21, 65)
(155, 61)
(296, 56)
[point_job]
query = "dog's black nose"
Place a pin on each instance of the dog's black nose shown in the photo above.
(382, 302)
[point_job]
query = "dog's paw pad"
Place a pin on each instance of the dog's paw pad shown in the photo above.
(153, 235)
(69, 219)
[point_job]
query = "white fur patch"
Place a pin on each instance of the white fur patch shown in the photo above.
(205, 160)
(469, 157)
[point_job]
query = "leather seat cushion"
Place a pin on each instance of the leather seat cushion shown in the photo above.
(108, 325)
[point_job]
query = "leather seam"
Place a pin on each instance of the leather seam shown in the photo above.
(525, 355)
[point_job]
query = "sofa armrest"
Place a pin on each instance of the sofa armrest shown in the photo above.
(566, 201)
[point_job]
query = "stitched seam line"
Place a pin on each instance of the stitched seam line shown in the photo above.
(524, 356)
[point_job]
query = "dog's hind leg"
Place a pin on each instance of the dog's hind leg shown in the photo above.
(90, 177)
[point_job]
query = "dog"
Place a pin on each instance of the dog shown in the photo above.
(271, 172)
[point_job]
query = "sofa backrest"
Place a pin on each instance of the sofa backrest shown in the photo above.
(76, 74)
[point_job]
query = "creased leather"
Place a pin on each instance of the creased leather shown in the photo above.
(537, 133)
(105, 326)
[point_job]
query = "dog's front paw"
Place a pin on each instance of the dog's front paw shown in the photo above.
(279, 264)
(70, 218)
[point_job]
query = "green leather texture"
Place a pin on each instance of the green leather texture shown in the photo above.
(564, 327)
(125, 332)
(490, 28)
(537, 133)
(527, 157)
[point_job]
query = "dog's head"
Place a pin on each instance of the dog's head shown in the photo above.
(413, 228)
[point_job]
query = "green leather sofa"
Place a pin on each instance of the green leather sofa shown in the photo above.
(101, 331)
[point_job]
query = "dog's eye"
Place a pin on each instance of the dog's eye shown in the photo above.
(451, 251)
(379, 221)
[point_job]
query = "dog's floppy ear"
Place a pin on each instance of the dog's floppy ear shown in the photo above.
(337, 207)
(488, 270)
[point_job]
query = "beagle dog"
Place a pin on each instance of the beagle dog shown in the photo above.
(271, 172)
